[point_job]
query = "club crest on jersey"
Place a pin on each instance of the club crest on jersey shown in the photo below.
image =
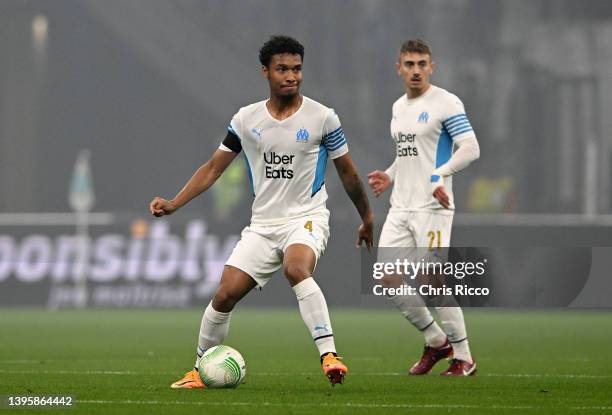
(302, 135)
(257, 133)
(424, 117)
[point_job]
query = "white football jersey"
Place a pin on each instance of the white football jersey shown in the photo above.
(424, 130)
(286, 160)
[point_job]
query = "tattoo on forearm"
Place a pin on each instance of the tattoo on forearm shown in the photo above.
(354, 188)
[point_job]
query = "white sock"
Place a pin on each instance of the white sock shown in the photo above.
(414, 310)
(461, 351)
(434, 336)
(454, 326)
(213, 330)
(313, 309)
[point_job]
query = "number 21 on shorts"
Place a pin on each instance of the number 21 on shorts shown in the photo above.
(432, 239)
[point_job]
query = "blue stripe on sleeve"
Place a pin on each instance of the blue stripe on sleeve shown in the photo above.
(457, 125)
(337, 146)
(333, 135)
(335, 140)
(337, 130)
(461, 131)
(455, 131)
(454, 117)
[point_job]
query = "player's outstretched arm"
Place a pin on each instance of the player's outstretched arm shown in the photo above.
(202, 179)
(354, 188)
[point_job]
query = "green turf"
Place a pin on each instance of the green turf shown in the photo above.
(529, 362)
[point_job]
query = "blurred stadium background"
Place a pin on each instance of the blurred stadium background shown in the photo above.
(105, 104)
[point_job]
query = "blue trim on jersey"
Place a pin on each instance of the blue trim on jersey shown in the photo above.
(457, 125)
(334, 140)
(435, 178)
(336, 131)
(336, 146)
(454, 117)
(444, 151)
(455, 133)
(454, 123)
(331, 141)
(250, 173)
(320, 170)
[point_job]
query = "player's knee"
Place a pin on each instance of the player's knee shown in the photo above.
(391, 281)
(224, 301)
(296, 273)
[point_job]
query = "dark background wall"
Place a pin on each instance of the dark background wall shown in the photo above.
(150, 86)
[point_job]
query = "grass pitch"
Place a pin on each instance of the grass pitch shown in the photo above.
(122, 362)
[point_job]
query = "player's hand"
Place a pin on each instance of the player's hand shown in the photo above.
(440, 194)
(379, 181)
(160, 207)
(366, 233)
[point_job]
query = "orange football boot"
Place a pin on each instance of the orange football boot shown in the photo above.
(334, 369)
(191, 380)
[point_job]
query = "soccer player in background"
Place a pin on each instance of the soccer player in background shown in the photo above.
(286, 141)
(427, 122)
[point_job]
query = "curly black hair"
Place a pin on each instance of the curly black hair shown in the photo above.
(279, 44)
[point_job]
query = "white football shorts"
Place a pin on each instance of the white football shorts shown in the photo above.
(415, 235)
(261, 248)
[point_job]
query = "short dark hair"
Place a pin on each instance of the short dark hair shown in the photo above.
(279, 44)
(415, 46)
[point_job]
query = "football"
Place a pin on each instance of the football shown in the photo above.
(222, 367)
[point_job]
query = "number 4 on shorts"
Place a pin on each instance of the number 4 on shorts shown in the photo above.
(308, 225)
